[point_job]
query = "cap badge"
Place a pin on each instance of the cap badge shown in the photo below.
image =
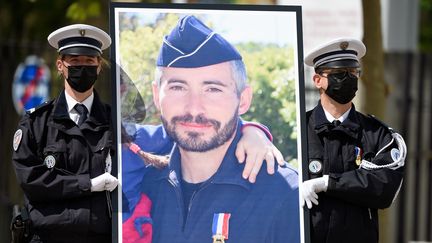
(344, 45)
(82, 32)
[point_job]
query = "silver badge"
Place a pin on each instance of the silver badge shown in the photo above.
(315, 166)
(50, 161)
(17, 139)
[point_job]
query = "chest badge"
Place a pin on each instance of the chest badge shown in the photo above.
(50, 161)
(315, 166)
(358, 153)
(220, 227)
(17, 139)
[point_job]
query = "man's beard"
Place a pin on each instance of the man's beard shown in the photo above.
(193, 142)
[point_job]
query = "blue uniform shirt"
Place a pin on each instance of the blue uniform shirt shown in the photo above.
(152, 139)
(266, 211)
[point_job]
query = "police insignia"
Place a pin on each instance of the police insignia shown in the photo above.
(17, 139)
(315, 166)
(50, 161)
(395, 154)
(344, 45)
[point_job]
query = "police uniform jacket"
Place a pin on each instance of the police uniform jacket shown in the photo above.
(266, 211)
(61, 206)
(347, 211)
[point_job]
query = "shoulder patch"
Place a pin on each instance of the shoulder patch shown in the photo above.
(395, 154)
(17, 139)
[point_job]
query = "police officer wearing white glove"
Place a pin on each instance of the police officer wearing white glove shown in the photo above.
(104, 182)
(355, 162)
(62, 149)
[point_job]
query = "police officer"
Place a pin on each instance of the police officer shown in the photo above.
(355, 161)
(63, 148)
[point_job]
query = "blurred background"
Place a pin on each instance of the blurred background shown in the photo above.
(395, 86)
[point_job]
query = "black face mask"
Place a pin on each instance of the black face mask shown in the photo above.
(342, 87)
(82, 78)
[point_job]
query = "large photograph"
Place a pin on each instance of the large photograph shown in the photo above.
(209, 109)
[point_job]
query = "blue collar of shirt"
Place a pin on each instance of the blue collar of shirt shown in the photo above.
(229, 172)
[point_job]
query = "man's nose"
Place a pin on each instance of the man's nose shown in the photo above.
(195, 103)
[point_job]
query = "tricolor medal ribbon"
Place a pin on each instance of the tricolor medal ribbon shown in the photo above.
(358, 153)
(220, 227)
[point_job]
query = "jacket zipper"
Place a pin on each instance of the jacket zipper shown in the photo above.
(191, 200)
(179, 200)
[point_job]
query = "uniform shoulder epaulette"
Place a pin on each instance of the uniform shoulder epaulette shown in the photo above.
(40, 107)
(379, 121)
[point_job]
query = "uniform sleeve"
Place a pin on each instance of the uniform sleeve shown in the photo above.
(153, 139)
(259, 126)
(38, 182)
(369, 188)
(286, 226)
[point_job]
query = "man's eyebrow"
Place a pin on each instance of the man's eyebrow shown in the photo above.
(174, 80)
(216, 82)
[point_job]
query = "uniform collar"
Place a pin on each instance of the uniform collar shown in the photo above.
(331, 118)
(99, 115)
(71, 102)
(229, 172)
(350, 125)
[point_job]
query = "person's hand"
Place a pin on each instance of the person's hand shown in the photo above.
(254, 147)
(311, 188)
(104, 182)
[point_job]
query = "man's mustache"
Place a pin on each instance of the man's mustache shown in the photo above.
(199, 119)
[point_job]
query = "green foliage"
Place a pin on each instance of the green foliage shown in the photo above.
(271, 75)
(270, 69)
(425, 26)
(83, 9)
(139, 47)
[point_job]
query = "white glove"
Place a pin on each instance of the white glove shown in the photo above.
(104, 182)
(310, 188)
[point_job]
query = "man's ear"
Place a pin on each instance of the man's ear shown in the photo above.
(245, 100)
(155, 90)
(317, 79)
(59, 65)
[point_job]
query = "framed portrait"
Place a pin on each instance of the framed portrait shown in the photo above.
(269, 40)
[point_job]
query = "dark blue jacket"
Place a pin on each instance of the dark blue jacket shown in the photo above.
(347, 211)
(61, 205)
(266, 211)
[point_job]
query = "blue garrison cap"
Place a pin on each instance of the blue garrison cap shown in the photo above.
(191, 44)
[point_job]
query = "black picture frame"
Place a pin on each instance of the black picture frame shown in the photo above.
(120, 74)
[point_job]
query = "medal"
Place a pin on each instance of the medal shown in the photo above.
(220, 227)
(358, 153)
